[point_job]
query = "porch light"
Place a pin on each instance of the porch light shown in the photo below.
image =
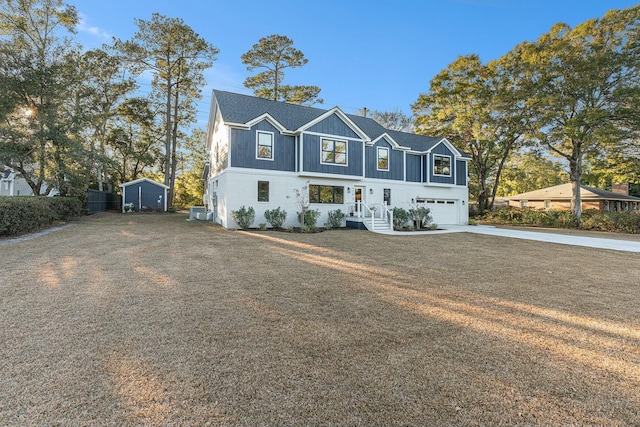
(348, 189)
(371, 191)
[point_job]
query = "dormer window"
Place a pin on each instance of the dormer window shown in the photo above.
(441, 165)
(265, 145)
(334, 152)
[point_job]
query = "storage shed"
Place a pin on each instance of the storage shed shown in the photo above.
(144, 194)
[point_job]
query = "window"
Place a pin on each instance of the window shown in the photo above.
(524, 203)
(326, 194)
(334, 152)
(265, 145)
(441, 165)
(383, 158)
(263, 191)
(386, 196)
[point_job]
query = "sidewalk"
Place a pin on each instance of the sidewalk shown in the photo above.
(563, 239)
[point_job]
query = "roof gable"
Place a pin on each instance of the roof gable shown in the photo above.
(335, 111)
(136, 181)
(565, 191)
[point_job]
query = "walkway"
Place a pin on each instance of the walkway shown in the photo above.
(563, 239)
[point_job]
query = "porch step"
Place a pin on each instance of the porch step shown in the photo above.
(379, 224)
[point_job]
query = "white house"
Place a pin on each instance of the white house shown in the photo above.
(261, 151)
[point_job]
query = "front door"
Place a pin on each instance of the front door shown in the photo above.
(359, 194)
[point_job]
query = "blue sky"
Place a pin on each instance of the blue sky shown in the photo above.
(362, 53)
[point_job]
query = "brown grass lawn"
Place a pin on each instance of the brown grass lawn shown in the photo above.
(151, 320)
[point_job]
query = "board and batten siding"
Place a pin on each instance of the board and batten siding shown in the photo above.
(444, 150)
(414, 163)
(151, 193)
(333, 125)
(461, 172)
(311, 157)
(396, 162)
(243, 149)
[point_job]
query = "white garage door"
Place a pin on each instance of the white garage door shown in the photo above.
(443, 211)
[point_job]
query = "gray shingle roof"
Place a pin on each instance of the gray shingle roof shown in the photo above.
(565, 191)
(238, 108)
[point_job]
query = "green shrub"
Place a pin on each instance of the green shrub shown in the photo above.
(335, 218)
(310, 219)
(262, 226)
(25, 214)
(244, 217)
(65, 208)
(592, 219)
(400, 218)
(276, 217)
(421, 216)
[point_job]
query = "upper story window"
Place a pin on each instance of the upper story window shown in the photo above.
(383, 159)
(441, 165)
(334, 152)
(265, 145)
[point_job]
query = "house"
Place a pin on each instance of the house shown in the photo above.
(559, 198)
(262, 151)
(144, 194)
(12, 184)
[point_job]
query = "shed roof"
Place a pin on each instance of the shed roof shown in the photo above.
(136, 181)
(565, 192)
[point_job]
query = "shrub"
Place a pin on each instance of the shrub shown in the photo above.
(262, 226)
(421, 216)
(400, 218)
(335, 218)
(19, 215)
(276, 217)
(310, 219)
(244, 217)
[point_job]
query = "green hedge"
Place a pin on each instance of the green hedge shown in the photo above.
(617, 222)
(24, 214)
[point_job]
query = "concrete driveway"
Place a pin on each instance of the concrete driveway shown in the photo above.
(540, 236)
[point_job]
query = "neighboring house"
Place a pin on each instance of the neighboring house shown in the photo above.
(559, 198)
(12, 184)
(144, 194)
(261, 151)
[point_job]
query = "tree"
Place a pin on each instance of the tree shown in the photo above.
(472, 105)
(107, 88)
(583, 89)
(42, 93)
(275, 53)
(393, 120)
(134, 138)
(528, 171)
(189, 185)
(177, 56)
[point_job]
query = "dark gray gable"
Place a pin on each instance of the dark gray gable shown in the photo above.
(237, 108)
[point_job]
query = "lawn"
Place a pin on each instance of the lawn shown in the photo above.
(147, 319)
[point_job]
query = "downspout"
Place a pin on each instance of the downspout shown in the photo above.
(139, 198)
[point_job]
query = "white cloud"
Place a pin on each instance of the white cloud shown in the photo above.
(96, 32)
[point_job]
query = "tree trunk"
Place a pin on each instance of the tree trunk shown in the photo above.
(576, 176)
(167, 143)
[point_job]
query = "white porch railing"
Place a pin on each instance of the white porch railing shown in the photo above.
(370, 213)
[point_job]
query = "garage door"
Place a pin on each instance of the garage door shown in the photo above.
(443, 211)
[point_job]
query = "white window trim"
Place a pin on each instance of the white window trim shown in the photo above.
(346, 153)
(433, 164)
(273, 143)
(378, 158)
